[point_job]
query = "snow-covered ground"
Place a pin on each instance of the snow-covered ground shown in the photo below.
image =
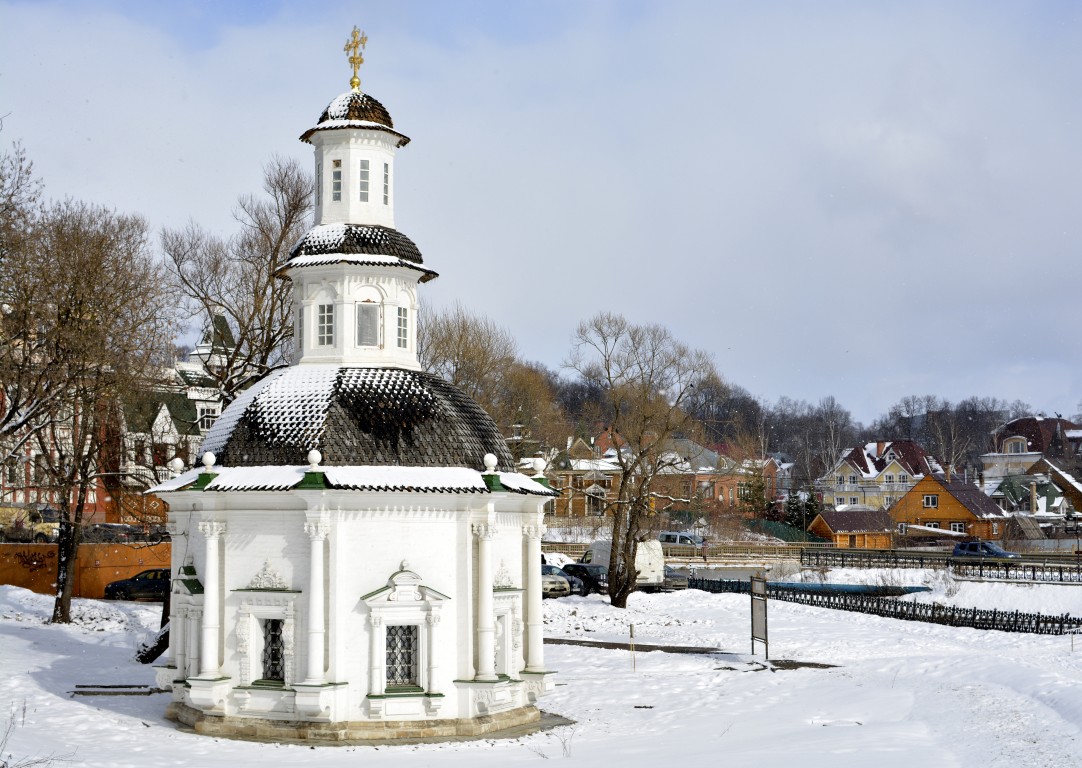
(899, 693)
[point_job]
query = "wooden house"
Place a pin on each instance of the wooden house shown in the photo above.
(952, 505)
(858, 527)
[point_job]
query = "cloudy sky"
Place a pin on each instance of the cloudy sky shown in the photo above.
(865, 200)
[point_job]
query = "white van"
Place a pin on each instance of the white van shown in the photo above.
(649, 562)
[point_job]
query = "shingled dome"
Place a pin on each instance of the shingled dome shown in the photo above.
(355, 417)
(354, 109)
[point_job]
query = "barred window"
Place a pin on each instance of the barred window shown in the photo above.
(402, 655)
(336, 181)
(386, 183)
(273, 650)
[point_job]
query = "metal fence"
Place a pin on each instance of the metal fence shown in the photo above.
(1051, 570)
(950, 615)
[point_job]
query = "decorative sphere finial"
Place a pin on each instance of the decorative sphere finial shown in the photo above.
(209, 459)
(314, 457)
(490, 462)
(538, 466)
(176, 465)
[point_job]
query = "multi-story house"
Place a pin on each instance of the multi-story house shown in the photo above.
(585, 480)
(950, 504)
(876, 474)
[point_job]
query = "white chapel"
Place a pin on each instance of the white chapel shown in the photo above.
(356, 558)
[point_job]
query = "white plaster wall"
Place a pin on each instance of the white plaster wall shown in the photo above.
(370, 535)
(351, 145)
(345, 286)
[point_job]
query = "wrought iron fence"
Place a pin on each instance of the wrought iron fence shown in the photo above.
(950, 615)
(1051, 570)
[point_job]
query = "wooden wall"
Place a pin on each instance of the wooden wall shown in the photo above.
(33, 566)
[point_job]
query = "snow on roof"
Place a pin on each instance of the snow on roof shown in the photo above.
(596, 465)
(372, 479)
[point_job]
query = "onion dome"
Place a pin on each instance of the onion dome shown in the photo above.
(355, 417)
(354, 109)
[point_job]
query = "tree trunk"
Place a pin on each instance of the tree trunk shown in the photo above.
(71, 535)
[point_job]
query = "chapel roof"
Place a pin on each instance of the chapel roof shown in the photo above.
(365, 244)
(354, 109)
(355, 416)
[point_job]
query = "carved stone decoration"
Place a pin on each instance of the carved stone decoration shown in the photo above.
(317, 528)
(482, 699)
(267, 578)
(242, 629)
(211, 529)
(533, 531)
(516, 627)
(288, 649)
(484, 531)
(503, 579)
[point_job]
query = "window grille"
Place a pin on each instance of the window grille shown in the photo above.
(273, 650)
(402, 655)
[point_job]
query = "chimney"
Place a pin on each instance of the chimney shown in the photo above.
(949, 468)
(879, 448)
(1033, 497)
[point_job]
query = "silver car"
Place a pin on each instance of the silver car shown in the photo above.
(552, 584)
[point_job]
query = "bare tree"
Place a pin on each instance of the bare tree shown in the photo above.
(89, 305)
(236, 277)
(470, 351)
(647, 377)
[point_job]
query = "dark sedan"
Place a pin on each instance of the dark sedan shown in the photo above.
(148, 585)
(595, 577)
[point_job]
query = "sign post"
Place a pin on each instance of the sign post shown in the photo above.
(758, 615)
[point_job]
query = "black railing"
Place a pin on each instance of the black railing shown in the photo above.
(1051, 570)
(950, 615)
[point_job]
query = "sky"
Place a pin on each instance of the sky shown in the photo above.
(863, 200)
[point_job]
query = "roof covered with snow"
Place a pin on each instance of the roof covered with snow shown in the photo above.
(372, 479)
(369, 244)
(355, 416)
(354, 109)
(872, 459)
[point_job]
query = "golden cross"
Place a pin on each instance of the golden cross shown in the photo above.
(354, 47)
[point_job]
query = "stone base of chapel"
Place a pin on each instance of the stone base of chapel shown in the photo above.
(262, 729)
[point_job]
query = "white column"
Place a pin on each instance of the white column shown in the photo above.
(486, 630)
(211, 623)
(317, 533)
(178, 631)
(377, 655)
(195, 621)
(535, 657)
(432, 620)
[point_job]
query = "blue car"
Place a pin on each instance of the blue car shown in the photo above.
(983, 549)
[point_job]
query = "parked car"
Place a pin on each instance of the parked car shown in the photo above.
(982, 549)
(552, 583)
(37, 524)
(674, 579)
(677, 537)
(578, 586)
(152, 584)
(593, 575)
(110, 533)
